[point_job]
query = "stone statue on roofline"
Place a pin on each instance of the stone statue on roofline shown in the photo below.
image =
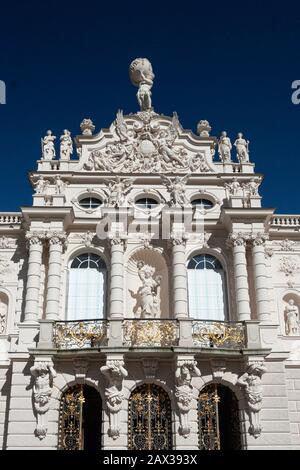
(141, 75)
(48, 149)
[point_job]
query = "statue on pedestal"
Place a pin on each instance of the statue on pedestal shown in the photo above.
(149, 292)
(225, 148)
(242, 148)
(141, 75)
(66, 145)
(48, 148)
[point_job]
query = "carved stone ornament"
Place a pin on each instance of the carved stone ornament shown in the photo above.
(149, 292)
(60, 185)
(5, 242)
(3, 316)
(5, 269)
(185, 370)
(56, 238)
(251, 188)
(35, 238)
(287, 245)
(237, 239)
(224, 148)
(42, 186)
(289, 267)
(141, 75)
(203, 128)
(218, 368)
(117, 189)
(43, 373)
(176, 187)
(250, 382)
(142, 144)
(115, 372)
(80, 369)
(87, 127)
(242, 148)
(259, 239)
(87, 239)
(232, 189)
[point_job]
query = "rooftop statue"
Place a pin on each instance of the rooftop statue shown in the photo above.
(242, 148)
(66, 145)
(225, 147)
(48, 148)
(141, 75)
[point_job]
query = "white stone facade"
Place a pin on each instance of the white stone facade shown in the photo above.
(149, 156)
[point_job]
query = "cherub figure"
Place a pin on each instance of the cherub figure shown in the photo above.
(117, 190)
(176, 188)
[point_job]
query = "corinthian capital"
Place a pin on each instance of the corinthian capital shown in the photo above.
(56, 238)
(259, 239)
(178, 238)
(35, 238)
(237, 239)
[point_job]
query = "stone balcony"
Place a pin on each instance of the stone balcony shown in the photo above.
(153, 334)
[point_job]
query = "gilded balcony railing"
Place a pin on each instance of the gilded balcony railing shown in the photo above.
(215, 334)
(80, 334)
(150, 333)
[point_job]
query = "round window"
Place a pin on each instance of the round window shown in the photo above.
(90, 202)
(146, 203)
(202, 203)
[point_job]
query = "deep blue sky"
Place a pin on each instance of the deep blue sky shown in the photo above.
(229, 62)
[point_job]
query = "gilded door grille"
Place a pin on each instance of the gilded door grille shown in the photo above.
(70, 422)
(208, 415)
(149, 420)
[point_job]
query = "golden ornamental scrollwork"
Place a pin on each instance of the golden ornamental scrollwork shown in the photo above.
(218, 334)
(150, 333)
(80, 334)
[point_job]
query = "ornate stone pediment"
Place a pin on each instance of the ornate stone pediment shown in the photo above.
(146, 142)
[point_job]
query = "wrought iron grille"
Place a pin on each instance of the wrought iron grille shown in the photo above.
(80, 334)
(150, 333)
(149, 420)
(214, 334)
(70, 420)
(208, 415)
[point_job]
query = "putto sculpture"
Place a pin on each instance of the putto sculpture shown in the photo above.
(48, 149)
(176, 188)
(141, 75)
(117, 189)
(87, 127)
(66, 145)
(41, 185)
(242, 148)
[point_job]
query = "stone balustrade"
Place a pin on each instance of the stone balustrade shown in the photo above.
(10, 218)
(286, 220)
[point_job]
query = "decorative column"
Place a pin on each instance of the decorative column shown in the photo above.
(260, 276)
(116, 309)
(35, 241)
(56, 243)
(180, 293)
(238, 242)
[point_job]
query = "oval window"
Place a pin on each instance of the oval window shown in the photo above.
(90, 202)
(146, 203)
(202, 203)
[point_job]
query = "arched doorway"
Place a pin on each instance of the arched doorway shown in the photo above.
(149, 419)
(218, 418)
(80, 419)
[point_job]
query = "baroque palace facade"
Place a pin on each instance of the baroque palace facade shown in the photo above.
(147, 299)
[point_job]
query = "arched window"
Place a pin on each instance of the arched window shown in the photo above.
(207, 288)
(87, 287)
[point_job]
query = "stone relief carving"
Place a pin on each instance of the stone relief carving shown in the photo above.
(66, 145)
(3, 316)
(48, 149)
(224, 148)
(287, 245)
(291, 318)
(87, 239)
(117, 189)
(5, 242)
(80, 367)
(149, 292)
(184, 392)
(176, 187)
(5, 269)
(218, 368)
(251, 383)
(233, 188)
(142, 76)
(203, 128)
(242, 148)
(43, 373)
(115, 372)
(87, 127)
(289, 267)
(145, 145)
